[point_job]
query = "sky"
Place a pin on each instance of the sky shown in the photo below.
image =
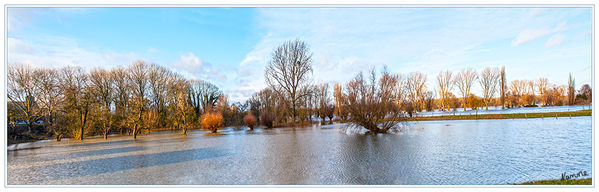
(230, 47)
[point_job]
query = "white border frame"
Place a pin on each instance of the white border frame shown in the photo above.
(326, 5)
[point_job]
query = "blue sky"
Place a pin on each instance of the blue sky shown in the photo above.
(231, 46)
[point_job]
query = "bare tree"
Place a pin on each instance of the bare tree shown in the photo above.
(571, 91)
(401, 90)
(179, 91)
(531, 90)
(22, 92)
(203, 95)
(503, 87)
(138, 78)
(122, 96)
(518, 87)
(49, 96)
(370, 102)
(586, 93)
(323, 97)
(464, 81)
(78, 96)
(338, 94)
(543, 85)
(158, 77)
(416, 88)
(103, 89)
(289, 71)
(445, 82)
(488, 80)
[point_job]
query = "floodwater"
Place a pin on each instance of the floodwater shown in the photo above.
(461, 152)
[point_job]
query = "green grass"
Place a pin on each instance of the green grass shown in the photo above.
(587, 181)
(505, 116)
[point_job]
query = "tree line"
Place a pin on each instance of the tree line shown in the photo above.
(291, 96)
(126, 100)
(143, 96)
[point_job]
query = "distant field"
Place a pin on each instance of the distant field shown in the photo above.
(506, 116)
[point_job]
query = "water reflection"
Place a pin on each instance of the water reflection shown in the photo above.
(431, 152)
(121, 163)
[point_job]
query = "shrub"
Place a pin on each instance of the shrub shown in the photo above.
(371, 104)
(212, 121)
(266, 118)
(250, 121)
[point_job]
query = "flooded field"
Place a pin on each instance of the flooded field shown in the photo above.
(464, 152)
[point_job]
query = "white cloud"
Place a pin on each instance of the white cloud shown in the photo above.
(54, 51)
(531, 34)
(195, 68)
(555, 40)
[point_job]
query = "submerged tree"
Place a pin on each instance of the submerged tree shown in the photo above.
(102, 87)
(138, 78)
(78, 98)
(47, 83)
(289, 71)
(371, 102)
(323, 97)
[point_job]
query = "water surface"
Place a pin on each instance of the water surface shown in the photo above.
(472, 152)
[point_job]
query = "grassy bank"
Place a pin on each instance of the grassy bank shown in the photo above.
(505, 116)
(587, 181)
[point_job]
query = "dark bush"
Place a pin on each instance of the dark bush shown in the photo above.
(266, 118)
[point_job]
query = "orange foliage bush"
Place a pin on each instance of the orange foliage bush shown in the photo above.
(212, 121)
(250, 121)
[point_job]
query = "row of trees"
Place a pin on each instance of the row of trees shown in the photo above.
(141, 96)
(144, 96)
(290, 96)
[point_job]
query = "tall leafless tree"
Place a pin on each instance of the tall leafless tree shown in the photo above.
(416, 88)
(203, 94)
(464, 81)
(543, 85)
(445, 83)
(78, 96)
(571, 91)
(102, 85)
(49, 97)
(289, 71)
(488, 80)
(138, 79)
(122, 91)
(158, 77)
(22, 92)
(503, 87)
(324, 101)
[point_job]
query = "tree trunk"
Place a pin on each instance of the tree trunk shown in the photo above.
(135, 131)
